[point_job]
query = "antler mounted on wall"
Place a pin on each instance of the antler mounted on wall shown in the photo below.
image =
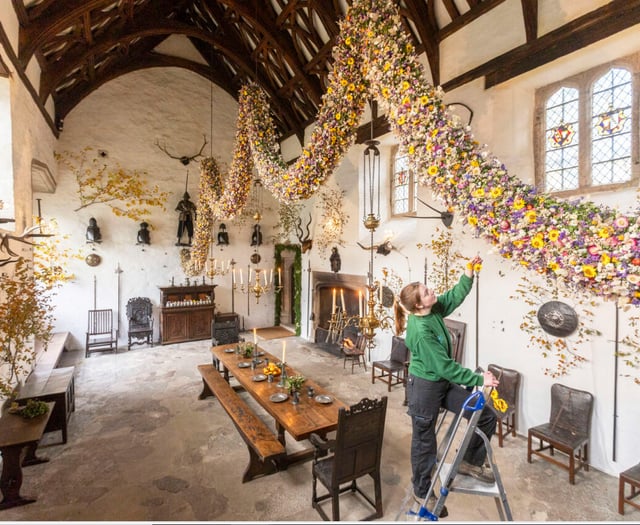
(305, 241)
(184, 159)
(26, 234)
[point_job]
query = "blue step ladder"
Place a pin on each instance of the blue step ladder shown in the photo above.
(446, 471)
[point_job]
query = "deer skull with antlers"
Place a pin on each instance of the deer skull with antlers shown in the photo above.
(184, 159)
(303, 239)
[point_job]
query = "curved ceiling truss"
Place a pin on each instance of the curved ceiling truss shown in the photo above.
(283, 45)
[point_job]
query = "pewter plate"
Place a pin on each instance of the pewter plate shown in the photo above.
(324, 399)
(279, 397)
(244, 364)
(229, 350)
(259, 377)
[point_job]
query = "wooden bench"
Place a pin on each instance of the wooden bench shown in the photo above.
(47, 360)
(265, 450)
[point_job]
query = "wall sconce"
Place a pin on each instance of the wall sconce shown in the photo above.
(445, 216)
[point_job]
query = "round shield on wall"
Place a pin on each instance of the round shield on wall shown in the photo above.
(93, 259)
(557, 318)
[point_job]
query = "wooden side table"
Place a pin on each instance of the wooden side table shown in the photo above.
(629, 477)
(16, 433)
(58, 385)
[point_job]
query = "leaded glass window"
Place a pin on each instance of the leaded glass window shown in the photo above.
(403, 186)
(586, 136)
(562, 140)
(611, 128)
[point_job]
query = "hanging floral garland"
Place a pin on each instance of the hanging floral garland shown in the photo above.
(591, 248)
(211, 190)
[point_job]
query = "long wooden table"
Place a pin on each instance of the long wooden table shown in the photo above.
(298, 420)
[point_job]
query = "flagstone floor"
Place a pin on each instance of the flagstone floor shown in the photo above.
(142, 447)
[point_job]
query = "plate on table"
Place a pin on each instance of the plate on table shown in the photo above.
(324, 399)
(244, 364)
(259, 377)
(229, 350)
(279, 397)
(258, 353)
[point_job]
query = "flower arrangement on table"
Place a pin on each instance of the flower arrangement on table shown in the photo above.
(294, 383)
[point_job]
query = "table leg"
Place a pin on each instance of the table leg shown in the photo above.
(30, 457)
(11, 478)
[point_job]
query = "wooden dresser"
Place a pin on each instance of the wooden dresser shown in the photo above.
(186, 313)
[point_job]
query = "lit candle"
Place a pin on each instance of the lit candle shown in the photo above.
(279, 277)
(241, 279)
(284, 351)
(233, 276)
(333, 306)
(344, 310)
(360, 303)
(271, 276)
(255, 337)
(265, 277)
(249, 280)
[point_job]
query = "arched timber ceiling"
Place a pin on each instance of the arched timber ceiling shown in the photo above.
(283, 45)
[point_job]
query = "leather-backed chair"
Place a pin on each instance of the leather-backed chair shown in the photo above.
(356, 452)
(568, 430)
(509, 390)
(392, 371)
(140, 316)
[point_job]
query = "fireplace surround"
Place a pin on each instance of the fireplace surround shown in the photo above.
(323, 286)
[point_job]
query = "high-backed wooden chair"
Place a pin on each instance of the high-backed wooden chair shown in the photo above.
(568, 430)
(392, 371)
(509, 391)
(357, 452)
(140, 316)
(100, 334)
(457, 331)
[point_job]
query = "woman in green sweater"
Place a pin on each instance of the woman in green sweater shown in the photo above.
(435, 378)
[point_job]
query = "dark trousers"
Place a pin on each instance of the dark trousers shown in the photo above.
(425, 398)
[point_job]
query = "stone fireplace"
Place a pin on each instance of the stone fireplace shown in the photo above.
(323, 285)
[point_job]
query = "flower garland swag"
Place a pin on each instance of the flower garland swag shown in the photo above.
(591, 248)
(210, 190)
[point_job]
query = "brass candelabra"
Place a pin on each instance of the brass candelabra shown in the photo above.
(259, 285)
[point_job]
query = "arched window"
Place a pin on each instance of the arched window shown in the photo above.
(585, 136)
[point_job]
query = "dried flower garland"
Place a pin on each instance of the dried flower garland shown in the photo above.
(591, 248)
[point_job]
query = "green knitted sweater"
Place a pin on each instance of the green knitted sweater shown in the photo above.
(428, 340)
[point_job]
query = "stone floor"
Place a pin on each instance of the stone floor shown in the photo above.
(142, 447)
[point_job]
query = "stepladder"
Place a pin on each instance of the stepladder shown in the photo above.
(445, 477)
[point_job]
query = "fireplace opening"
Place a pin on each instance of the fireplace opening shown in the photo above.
(334, 291)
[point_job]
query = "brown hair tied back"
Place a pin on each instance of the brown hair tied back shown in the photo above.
(405, 303)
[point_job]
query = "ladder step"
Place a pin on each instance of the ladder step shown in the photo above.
(467, 484)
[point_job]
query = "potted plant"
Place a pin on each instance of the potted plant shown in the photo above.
(294, 383)
(25, 314)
